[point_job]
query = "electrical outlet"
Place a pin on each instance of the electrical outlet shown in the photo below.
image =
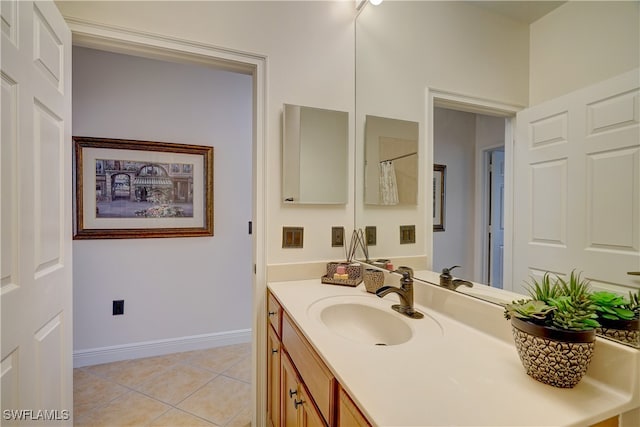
(337, 236)
(118, 307)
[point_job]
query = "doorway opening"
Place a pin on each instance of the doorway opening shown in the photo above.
(474, 139)
(493, 222)
(114, 40)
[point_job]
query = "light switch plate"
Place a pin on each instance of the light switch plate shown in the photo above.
(292, 237)
(337, 237)
(407, 234)
(370, 235)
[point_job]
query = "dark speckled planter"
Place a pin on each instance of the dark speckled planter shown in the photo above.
(553, 356)
(626, 331)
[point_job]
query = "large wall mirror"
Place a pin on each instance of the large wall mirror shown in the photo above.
(449, 79)
(314, 155)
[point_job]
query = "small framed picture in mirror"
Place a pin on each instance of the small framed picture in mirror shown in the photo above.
(439, 175)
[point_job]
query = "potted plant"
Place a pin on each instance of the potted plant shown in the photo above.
(619, 318)
(554, 331)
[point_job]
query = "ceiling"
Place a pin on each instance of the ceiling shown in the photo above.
(525, 11)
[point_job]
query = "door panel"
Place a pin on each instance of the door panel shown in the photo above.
(36, 210)
(577, 186)
(497, 218)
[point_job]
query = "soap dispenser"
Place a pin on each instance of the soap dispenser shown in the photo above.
(446, 277)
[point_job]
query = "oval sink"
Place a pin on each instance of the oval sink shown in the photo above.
(365, 324)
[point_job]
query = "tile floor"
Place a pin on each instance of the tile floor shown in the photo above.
(197, 388)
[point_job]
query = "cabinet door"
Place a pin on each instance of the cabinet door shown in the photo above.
(309, 415)
(289, 393)
(348, 413)
(273, 378)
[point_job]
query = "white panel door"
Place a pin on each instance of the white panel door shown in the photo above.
(36, 215)
(577, 186)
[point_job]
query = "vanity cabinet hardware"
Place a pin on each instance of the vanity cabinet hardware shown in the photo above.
(274, 350)
(272, 313)
(297, 403)
(292, 393)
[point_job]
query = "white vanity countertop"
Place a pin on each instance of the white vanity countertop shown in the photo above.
(449, 374)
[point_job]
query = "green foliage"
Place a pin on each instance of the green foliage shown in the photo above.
(534, 310)
(634, 303)
(575, 314)
(612, 306)
(543, 290)
(564, 304)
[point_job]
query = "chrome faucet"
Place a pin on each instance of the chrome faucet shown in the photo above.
(405, 292)
(447, 280)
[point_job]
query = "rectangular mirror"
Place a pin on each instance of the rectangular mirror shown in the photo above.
(391, 162)
(314, 155)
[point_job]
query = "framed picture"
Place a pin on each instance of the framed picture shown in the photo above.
(439, 176)
(128, 189)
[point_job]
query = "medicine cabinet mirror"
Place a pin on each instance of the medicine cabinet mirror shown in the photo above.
(314, 155)
(391, 161)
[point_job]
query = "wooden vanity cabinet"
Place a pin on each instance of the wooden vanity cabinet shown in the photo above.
(301, 390)
(348, 413)
(298, 409)
(274, 351)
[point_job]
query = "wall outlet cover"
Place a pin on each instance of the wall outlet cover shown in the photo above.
(407, 234)
(337, 237)
(371, 235)
(292, 237)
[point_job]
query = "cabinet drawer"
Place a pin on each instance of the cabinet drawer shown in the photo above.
(315, 374)
(274, 313)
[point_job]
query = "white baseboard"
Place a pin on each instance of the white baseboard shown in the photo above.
(95, 356)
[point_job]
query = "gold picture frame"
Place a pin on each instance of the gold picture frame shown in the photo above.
(129, 189)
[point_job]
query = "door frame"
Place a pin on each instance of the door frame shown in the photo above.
(470, 104)
(155, 46)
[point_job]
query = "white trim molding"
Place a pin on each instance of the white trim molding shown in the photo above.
(96, 356)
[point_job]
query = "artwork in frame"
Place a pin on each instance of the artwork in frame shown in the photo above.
(128, 189)
(438, 196)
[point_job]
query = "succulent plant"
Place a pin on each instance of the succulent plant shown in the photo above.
(560, 303)
(543, 290)
(534, 310)
(634, 303)
(612, 306)
(575, 314)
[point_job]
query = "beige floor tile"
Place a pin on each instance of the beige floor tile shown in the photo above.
(131, 409)
(176, 383)
(177, 418)
(132, 373)
(90, 390)
(219, 401)
(241, 370)
(220, 359)
(243, 419)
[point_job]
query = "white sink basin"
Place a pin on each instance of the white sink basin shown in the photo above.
(365, 324)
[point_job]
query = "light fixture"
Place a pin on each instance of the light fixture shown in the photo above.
(360, 3)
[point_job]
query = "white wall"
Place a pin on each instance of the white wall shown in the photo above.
(405, 47)
(582, 43)
(172, 287)
(309, 50)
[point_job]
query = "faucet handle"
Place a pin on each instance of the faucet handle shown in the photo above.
(405, 271)
(448, 270)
